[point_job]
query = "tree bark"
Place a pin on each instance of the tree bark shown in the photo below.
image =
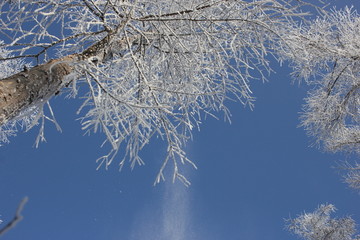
(29, 87)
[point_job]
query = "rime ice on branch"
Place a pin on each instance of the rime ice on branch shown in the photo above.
(318, 225)
(152, 68)
(326, 53)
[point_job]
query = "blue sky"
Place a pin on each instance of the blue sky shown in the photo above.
(252, 174)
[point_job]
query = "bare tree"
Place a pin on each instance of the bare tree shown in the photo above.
(318, 225)
(148, 67)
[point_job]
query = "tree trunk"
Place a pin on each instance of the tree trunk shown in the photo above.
(29, 87)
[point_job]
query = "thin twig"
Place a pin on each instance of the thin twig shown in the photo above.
(17, 218)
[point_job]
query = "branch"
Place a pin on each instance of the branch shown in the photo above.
(17, 218)
(155, 17)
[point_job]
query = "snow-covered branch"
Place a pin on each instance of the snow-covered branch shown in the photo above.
(318, 225)
(152, 68)
(326, 53)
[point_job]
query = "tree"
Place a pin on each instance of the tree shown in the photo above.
(155, 68)
(319, 226)
(145, 68)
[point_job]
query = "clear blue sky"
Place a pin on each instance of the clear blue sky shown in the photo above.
(252, 174)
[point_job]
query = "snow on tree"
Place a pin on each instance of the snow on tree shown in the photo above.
(154, 68)
(151, 68)
(326, 53)
(352, 175)
(318, 225)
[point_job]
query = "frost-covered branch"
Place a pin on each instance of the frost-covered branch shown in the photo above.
(326, 53)
(151, 68)
(352, 176)
(318, 225)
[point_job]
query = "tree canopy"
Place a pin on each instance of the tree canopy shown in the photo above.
(148, 68)
(157, 68)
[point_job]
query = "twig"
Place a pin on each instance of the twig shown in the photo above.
(17, 218)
